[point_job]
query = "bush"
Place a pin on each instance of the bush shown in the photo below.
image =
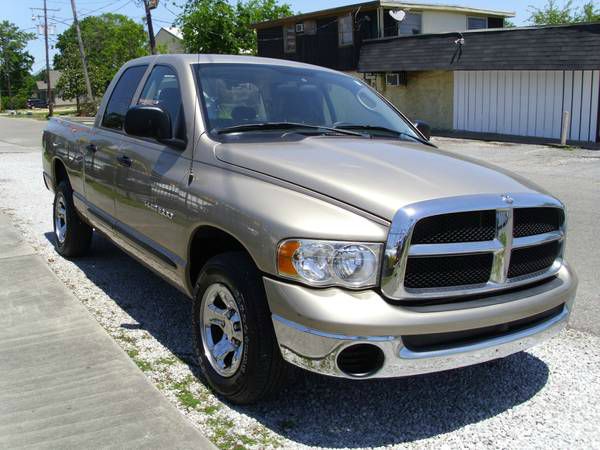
(14, 102)
(88, 109)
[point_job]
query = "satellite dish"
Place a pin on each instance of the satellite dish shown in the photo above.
(398, 15)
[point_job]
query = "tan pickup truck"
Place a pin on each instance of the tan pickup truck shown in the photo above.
(309, 221)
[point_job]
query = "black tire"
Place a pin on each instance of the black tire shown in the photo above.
(75, 237)
(262, 371)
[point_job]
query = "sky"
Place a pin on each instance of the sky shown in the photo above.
(20, 13)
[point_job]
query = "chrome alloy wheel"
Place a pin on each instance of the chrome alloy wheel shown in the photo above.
(60, 218)
(222, 330)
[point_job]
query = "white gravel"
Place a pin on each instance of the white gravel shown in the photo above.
(545, 398)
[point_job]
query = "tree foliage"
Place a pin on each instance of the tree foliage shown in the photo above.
(109, 40)
(216, 26)
(15, 64)
(554, 14)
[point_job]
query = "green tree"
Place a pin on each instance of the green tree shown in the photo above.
(41, 75)
(589, 13)
(15, 64)
(109, 40)
(215, 26)
(554, 14)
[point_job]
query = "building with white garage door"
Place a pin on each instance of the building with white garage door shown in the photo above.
(512, 81)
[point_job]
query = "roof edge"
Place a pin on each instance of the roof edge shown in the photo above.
(385, 4)
(485, 30)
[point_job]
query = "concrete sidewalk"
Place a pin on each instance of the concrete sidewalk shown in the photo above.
(64, 383)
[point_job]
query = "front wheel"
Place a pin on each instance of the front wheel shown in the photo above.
(73, 236)
(233, 332)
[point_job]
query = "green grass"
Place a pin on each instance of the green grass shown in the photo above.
(223, 436)
(41, 114)
(145, 366)
(184, 394)
(125, 338)
(211, 409)
(188, 399)
(171, 360)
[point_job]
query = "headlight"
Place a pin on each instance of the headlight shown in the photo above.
(329, 263)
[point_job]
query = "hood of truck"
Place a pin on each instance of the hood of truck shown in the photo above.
(376, 175)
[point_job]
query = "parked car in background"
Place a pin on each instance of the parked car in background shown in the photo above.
(309, 221)
(36, 103)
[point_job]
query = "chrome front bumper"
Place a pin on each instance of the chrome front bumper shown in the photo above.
(306, 320)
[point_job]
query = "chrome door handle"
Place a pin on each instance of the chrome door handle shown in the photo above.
(124, 160)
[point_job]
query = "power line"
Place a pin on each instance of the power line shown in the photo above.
(162, 20)
(167, 8)
(87, 13)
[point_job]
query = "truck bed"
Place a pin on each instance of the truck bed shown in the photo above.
(66, 138)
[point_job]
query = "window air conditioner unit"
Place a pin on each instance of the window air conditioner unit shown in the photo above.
(396, 79)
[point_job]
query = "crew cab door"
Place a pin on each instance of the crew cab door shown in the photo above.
(102, 151)
(151, 193)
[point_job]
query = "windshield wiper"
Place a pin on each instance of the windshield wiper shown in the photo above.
(283, 126)
(368, 128)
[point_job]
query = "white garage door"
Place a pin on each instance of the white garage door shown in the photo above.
(527, 103)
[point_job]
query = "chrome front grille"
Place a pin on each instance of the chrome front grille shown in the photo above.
(472, 226)
(531, 260)
(531, 221)
(472, 244)
(453, 270)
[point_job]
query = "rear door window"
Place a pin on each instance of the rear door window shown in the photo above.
(121, 96)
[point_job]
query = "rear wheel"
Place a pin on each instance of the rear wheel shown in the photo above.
(73, 236)
(233, 332)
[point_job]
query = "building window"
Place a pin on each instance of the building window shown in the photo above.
(289, 39)
(396, 79)
(476, 23)
(411, 24)
(495, 22)
(310, 27)
(345, 31)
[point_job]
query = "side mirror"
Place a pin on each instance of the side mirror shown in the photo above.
(148, 121)
(424, 128)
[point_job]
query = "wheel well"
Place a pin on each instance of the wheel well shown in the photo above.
(207, 242)
(60, 172)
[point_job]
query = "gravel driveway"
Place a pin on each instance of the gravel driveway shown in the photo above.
(544, 398)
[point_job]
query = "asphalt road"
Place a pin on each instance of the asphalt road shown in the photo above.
(20, 135)
(574, 177)
(544, 398)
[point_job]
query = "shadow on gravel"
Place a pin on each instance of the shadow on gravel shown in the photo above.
(321, 411)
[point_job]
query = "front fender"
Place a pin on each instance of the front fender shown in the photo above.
(260, 214)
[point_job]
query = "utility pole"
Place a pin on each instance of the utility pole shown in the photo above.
(86, 76)
(148, 7)
(48, 82)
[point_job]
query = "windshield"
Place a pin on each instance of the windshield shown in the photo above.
(240, 95)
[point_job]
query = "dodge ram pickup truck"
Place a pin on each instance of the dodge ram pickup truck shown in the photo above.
(310, 222)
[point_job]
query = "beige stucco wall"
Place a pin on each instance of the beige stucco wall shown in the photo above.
(441, 22)
(427, 96)
(444, 22)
